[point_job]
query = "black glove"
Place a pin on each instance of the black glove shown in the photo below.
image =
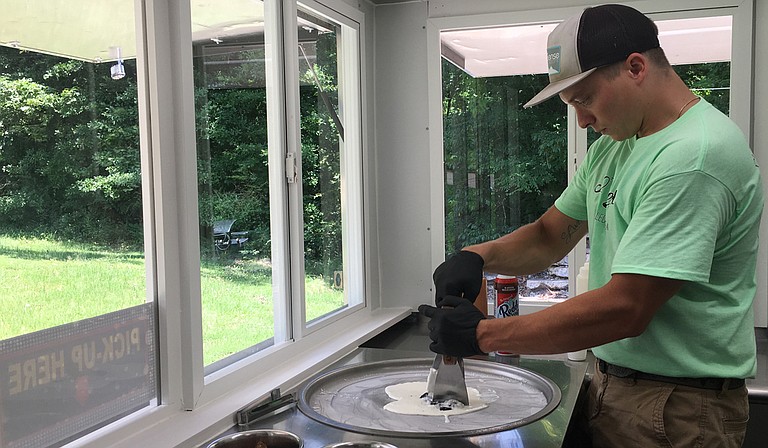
(461, 275)
(453, 327)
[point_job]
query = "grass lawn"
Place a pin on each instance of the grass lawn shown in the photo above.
(45, 283)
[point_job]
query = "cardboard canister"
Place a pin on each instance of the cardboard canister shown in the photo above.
(507, 303)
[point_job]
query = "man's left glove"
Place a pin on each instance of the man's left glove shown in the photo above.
(453, 327)
(460, 275)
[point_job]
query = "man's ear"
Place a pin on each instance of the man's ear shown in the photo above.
(636, 65)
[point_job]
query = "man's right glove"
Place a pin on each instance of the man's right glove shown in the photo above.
(453, 327)
(461, 275)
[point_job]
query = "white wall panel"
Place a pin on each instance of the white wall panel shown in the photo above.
(402, 154)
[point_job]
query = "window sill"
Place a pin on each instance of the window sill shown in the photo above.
(529, 305)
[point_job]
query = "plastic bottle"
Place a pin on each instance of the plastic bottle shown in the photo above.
(582, 279)
(490, 291)
(507, 300)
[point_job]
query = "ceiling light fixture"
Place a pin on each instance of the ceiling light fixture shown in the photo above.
(117, 71)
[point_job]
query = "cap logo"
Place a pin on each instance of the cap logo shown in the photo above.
(553, 60)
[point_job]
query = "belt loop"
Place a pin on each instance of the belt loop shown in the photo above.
(600, 371)
(726, 386)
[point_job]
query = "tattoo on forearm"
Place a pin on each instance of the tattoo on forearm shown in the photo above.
(570, 231)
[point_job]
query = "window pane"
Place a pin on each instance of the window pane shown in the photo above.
(231, 116)
(321, 136)
(77, 334)
(700, 51)
(505, 165)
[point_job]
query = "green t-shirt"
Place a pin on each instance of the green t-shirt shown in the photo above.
(682, 203)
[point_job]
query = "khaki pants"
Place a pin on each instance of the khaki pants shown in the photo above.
(624, 412)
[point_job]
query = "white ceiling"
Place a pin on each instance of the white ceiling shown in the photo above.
(519, 50)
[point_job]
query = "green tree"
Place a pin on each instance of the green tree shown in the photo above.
(710, 81)
(235, 184)
(70, 159)
(68, 149)
(507, 163)
(321, 162)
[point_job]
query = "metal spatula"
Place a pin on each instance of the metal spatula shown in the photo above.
(446, 380)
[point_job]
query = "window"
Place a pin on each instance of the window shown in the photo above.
(330, 165)
(231, 89)
(242, 311)
(136, 221)
(77, 338)
(489, 71)
(513, 160)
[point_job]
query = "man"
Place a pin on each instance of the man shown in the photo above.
(672, 199)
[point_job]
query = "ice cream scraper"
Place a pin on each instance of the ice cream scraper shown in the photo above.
(446, 380)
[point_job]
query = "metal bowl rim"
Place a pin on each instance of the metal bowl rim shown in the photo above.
(241, 434)
(355, 444)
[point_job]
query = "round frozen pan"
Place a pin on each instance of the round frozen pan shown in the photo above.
(353, 398)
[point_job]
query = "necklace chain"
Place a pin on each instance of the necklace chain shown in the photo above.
(680, 114)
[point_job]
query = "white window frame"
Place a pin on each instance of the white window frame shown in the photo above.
(349, 58)
(741, 103)
(193, 407)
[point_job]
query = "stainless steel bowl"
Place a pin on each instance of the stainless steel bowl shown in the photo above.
(360, 445)
(269, 438)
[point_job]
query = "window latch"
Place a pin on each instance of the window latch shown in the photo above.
(290, 167)
(274, 405)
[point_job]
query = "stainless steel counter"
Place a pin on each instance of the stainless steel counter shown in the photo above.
(409, 339)
(546, 432)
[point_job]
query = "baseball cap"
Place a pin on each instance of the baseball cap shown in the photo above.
(598, 36)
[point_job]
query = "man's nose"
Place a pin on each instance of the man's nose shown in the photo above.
(584, 118)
